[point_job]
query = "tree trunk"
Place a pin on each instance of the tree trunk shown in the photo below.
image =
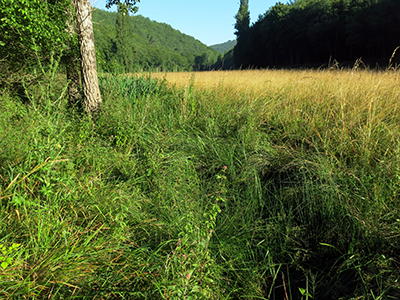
(91, 91)
(72, 65)
(72, 62)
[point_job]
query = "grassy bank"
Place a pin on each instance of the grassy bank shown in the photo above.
(192, 193)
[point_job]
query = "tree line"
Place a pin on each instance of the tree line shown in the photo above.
(315, 33)
(131, 43)
(36, 34)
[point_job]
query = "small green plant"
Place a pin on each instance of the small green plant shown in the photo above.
(304, 293)
(7, 254)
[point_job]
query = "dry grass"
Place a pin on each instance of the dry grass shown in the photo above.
(338, 111)
(345, 94)
(349, 92)
(293, 83)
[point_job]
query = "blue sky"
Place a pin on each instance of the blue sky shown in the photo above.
(210, 21)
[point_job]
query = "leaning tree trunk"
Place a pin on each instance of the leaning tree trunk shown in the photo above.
(92, 96)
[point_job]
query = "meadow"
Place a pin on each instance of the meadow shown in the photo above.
(210, 185)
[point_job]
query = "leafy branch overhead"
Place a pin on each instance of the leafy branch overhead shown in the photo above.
(31, 26)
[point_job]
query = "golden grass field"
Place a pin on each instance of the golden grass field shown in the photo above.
(341, 84)
(347, 111)
(347, 92)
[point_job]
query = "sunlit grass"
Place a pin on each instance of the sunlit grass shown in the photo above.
(295, 82)
(342, 110)
(224, 185)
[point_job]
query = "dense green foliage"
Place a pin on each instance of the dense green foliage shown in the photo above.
(240, 52)
(150, 45)
(129, 4)
(314, 33)
(122, 51)
(30, 31)
(176, 194)
(242, 18)
(31, 26)
(224, 47)
(224, 62)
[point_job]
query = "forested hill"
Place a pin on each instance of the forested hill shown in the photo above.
(312, 33)
(147, 44)
(224, 47)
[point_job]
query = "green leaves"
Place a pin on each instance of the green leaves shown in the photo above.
(32, 27)
(242, 18)
(305, 293)
(7, 254)
(130, 4)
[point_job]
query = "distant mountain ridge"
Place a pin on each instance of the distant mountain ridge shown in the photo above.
(150, 45)
(224, 47)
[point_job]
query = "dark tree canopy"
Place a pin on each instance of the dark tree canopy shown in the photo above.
(242, 18)
(240, 52)
(312, 33)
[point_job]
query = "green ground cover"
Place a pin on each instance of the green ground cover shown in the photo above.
(180, 194)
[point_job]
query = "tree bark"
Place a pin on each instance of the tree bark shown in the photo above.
(72, 62)
(91, 90)
(72, 65)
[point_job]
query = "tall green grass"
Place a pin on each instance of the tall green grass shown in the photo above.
(182, 194)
